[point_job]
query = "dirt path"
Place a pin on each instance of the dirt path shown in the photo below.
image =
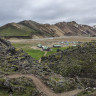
(43, 88)
(40, 60)
(44, 55)
(54, 39)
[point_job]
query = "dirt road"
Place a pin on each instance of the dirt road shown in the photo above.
(53, 39)
(43, 88)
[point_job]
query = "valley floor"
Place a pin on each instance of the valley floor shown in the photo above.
(53, 39)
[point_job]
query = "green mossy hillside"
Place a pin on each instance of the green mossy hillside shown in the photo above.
(75, 61)
(18, 87)
(17, 30)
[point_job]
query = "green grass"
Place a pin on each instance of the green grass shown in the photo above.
(54, 50)
(37, 54)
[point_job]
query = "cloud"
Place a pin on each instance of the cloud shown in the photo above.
(48, 11)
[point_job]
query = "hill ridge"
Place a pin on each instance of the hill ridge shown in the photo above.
(32, 29)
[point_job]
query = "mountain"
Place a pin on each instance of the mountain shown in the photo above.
(31, 29)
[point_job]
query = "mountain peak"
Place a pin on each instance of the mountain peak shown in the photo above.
(27, 22)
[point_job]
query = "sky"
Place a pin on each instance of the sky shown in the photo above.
(48, 11)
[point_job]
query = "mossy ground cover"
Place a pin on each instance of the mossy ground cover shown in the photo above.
(60, 84)
(3, 92)
(19, 86)
(88, 92)
(72, 62)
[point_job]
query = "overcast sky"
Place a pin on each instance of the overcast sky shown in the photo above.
(48, 11)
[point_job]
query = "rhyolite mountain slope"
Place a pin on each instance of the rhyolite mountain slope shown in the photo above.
(31, 29)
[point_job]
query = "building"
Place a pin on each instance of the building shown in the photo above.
(39, 45)
(74, 45)
(45, 48)
(57, 46)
